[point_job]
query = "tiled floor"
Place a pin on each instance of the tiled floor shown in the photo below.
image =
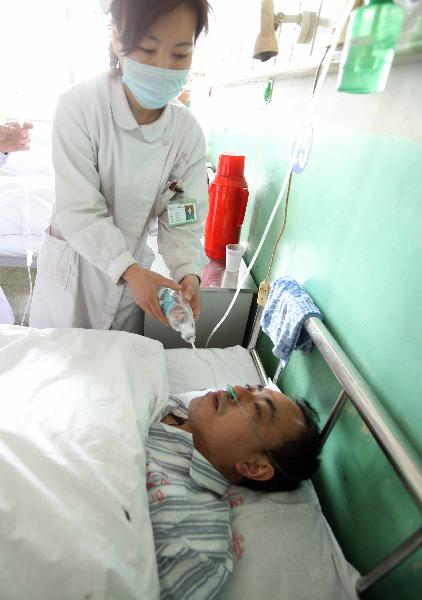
(15, 285)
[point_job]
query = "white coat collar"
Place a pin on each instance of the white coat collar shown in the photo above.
(125, 119)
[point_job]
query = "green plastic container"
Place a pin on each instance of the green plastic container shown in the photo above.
(369, 48)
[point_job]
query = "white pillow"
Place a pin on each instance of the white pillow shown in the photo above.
(283, 546)
(285, 549)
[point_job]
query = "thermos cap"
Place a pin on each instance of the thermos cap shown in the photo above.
(231, 165)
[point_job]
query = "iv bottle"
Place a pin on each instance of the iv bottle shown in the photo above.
(370, 46)
(178, 314)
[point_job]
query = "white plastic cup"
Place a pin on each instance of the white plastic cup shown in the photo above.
(234, 253)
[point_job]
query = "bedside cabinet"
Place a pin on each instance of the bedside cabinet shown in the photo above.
(217, 290)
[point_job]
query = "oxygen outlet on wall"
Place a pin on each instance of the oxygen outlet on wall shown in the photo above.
(266, 45)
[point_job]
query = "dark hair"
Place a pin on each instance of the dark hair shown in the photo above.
(297, 458)
(138, 17)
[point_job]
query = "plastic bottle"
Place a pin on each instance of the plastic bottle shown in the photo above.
(178, 314)
(370, 46)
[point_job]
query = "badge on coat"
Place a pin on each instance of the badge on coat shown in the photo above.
(182, 213)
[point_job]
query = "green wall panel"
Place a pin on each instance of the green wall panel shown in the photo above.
(354, 240)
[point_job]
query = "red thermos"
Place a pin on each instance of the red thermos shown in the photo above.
(228, 196)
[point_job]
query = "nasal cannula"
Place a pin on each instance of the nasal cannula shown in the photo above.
(233, 396)
(231, 392)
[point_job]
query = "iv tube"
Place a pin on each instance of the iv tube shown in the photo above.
(317, 89)
(208, 363)
(29, 249)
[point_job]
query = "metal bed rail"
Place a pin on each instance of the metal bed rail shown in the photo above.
(399, 452)
(401, 455)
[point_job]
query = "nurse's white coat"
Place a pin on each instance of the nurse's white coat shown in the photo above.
(112, 179)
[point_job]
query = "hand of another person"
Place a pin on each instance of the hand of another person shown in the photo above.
(14, 137)
(190, 293)
(144, 285)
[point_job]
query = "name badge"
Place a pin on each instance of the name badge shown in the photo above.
(182, 213)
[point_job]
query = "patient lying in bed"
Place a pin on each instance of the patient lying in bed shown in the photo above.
(96, 491)
(249, 436)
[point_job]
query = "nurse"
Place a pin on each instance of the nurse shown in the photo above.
(126, 154)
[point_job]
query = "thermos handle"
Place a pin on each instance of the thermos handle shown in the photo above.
(210, 190)
(244, 195)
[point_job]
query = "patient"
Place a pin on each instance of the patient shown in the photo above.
(248, 436)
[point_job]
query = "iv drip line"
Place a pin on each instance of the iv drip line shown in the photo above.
(319, 80)
(29, 249)
(205, 361)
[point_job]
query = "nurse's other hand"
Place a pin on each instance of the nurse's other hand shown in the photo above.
(144, 285)
(190, 293)
(14, 137)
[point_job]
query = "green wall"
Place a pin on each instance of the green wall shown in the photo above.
(354, 240)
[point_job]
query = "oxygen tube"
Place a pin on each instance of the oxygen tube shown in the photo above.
(319, 80)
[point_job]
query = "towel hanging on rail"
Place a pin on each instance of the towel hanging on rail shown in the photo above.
(287, 308)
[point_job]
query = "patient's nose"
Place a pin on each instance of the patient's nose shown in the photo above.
(242, 393)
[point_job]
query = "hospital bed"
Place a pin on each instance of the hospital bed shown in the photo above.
(24, 216)
(26, 199)
(72, 464)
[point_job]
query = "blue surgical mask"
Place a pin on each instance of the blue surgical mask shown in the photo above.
(153, 87)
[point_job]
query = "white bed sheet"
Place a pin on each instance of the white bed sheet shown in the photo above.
(6, 313)
(38, 160)
(214, 368)
(283, 545)
(25, 204)
(75, 408)
(16, 246)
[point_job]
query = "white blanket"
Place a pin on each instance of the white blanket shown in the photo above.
(75, 407)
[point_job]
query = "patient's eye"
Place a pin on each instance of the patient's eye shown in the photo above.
(259, 387)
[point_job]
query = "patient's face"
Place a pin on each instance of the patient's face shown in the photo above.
(229, 436)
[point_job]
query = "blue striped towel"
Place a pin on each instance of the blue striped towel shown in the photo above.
(288, 306)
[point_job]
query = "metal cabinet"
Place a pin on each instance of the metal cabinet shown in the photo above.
(217, 290)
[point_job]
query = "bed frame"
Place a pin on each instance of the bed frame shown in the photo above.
(401, 455)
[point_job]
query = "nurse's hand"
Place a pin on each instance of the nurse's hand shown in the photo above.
(144, 285)
(190, 293)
